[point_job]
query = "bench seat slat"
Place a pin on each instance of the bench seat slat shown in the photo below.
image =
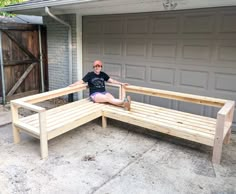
(62, 115)
(73, 124)
(156, 126)
(71, 118)
(55, 117)
(175, 112)
(57, 110)
(175, 119)
(161, 124)
(178, 122)
(160, 121)
(190, 120)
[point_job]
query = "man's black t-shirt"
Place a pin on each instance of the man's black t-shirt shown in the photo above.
(96, 82)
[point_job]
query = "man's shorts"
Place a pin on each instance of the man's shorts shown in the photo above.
(92, 96)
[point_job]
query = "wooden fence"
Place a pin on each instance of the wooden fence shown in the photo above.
(21, 60)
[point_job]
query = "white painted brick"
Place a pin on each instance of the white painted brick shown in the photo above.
(58, 57)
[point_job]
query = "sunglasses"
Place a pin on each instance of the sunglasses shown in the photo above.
(97, 66)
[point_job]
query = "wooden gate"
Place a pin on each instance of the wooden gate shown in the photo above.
(21, 60)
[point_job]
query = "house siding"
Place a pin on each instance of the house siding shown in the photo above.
(58, 52)
(190, 51)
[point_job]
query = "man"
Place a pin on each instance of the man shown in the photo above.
(97, 91)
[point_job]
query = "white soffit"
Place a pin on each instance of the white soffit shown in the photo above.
(102, 7)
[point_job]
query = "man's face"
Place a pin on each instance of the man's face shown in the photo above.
(97, 68)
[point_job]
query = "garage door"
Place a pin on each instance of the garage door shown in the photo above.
(185, 51)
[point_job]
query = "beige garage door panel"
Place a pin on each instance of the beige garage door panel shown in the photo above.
(187, 51)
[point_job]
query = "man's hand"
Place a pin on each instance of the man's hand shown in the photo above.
(124, 84)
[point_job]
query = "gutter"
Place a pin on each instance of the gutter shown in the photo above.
(41, 59)
(47, 10)
(36, 5)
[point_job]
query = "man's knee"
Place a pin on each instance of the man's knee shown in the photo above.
(101, 98)
(109, 95)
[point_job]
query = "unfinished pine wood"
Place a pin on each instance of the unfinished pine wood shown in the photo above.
(104, 122)
(21, 95)
(28, 106)
(165, 114)
(162, 122)
(218, 139)
(64, 119)
(35, 132)
(47, 124)
(150, 124)
(76, 123)
(15, 118)
(53, 94)
(123, 92)
(43, 135)
(75, 118)
(227, 136)
(176, 96)
(57, 111)
(228, 111)
(117, 86)
(175, 113)
(32, 119)
(169, 122)
(227, 107)
(60, 117)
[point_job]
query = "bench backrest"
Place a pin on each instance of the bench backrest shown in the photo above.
(53, 94)
(224, 115)
(175, 96)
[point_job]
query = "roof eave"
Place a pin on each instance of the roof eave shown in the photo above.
(22, 7)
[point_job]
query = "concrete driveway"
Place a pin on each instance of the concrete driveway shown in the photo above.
(119, 159)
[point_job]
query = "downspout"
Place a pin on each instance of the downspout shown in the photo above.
(41, 59)
(47, 10)
(2, 72)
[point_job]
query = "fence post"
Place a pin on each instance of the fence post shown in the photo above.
(2, 71)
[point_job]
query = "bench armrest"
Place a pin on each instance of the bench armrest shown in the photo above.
(113, 85)
(28, 106)
(121, 89)
(227, 114)
(16, 104)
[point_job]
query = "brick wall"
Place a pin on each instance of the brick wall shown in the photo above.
(58, 52)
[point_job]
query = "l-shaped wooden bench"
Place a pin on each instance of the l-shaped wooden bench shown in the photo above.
(47, 124)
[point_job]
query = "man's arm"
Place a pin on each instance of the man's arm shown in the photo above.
(77, 83)
(110, 80)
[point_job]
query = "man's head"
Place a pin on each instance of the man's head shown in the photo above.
(97, 66)
(97, 63)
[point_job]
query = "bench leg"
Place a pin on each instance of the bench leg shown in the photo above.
(218, 141)
(217, 151)
(16, 134)
(227, 137)
(15, 117)
(43, 135)
(104, 122)
(44, 146)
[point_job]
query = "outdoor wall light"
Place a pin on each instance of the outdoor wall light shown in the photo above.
(169, 4)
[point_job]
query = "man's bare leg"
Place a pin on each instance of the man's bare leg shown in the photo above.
(100, 98)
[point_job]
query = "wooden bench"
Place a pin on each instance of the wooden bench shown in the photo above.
(47, 124)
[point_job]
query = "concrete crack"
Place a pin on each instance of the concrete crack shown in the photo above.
(95, 189)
